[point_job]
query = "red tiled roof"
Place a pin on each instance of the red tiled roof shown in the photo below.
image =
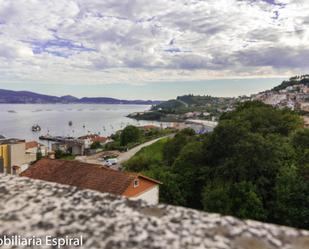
(146, 127)
(99, 139)
(137, 175)
(91, 136)
(31, 144)
(82, 175)
(94, 138)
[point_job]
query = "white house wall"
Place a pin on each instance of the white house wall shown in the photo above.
(150, 196)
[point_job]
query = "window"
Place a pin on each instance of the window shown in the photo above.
(135, 183)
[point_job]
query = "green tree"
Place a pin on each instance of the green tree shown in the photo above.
(130, 134)
(265, 119)
(39, 155)
(170, 190)
(58, 154)
(238, 199)
(300, 140)
(173, 147)
(255, 164)
(292, 197)
(95, 145)
(190, 173)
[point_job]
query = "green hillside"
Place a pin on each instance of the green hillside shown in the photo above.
(296, 80)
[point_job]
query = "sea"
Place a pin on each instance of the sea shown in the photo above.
(16, 120)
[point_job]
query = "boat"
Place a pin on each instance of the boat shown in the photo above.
(36, 128)
(70, 123)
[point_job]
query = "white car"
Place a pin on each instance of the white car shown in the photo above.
(111, 161)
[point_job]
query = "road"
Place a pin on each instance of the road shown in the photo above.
(125, 156)
(122, 156)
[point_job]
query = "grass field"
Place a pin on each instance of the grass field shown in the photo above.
(147, 157)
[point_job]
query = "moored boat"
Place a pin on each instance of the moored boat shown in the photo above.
(36, 128)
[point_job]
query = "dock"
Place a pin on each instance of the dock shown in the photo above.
(55, 138)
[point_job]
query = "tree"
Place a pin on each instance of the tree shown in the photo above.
(170, 190)
(58, 154)
(39, 155)
(265, 119)
(300, 139)
(238, 199)
(190, 174)
(300, 142)
(292, 197)
(236, 152)
(95, 145)
(173, 147)
(255, 164)
(130, 134)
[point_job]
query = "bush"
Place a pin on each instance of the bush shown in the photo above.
(130, 134)
(238, 199)
(95, 145)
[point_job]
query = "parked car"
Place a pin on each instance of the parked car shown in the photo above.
(111, 161)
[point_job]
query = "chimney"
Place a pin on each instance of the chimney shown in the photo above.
(51, 155)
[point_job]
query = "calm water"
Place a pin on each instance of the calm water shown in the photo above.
(16, 120)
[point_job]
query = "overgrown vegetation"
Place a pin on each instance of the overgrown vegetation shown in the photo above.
(255, 164)
(96, 145)
(132, 136)
(59, 154)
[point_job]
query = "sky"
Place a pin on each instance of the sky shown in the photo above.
(141, 49)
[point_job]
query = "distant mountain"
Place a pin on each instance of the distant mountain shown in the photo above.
(26, 97)
(69, 99)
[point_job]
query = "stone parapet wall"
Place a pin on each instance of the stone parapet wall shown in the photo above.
(37, 208)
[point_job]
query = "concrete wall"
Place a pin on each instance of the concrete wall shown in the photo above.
(13, 155)
(32, 150)
(30, 157)
(151, 196)
(77, 150)
(17, 154)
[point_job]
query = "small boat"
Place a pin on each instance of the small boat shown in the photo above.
(70, 123)
(36, 128)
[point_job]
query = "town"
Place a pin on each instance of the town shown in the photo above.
(66, 159)
(154, 124)
(292, 94)
(101, 159)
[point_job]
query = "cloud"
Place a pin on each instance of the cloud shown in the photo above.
(133, 41)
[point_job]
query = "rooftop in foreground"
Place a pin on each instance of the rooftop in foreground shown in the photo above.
(37, 208)
(83, 175)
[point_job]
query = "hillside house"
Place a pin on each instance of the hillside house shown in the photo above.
(75, 147)
(90, 139)
(96, 177)
(33, 147)
(13, 157)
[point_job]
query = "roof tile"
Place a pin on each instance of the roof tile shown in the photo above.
(79, 174)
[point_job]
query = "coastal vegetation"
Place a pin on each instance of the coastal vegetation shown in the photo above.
(296, 80)
(132, 136)
(254, 165)
(175, 109)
